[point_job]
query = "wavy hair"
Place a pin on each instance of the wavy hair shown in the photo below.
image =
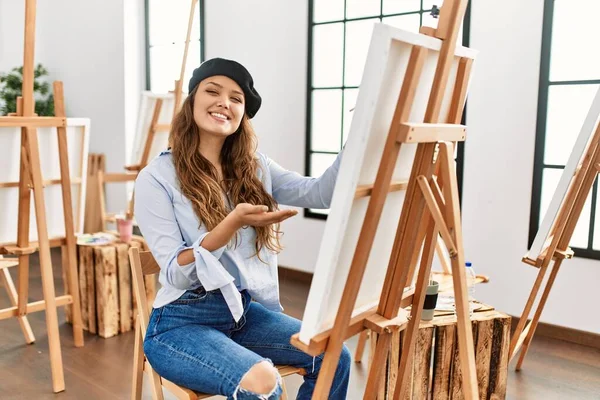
(199, 181)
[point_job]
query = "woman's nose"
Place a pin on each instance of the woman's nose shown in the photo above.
(223, 102)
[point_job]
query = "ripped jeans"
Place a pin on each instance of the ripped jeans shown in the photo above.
(195, 343)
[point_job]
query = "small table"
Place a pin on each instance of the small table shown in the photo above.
(107, 304)
(435, 364)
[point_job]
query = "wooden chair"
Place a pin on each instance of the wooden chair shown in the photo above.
(143, 263)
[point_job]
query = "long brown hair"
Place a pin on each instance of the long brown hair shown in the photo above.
(199, 181)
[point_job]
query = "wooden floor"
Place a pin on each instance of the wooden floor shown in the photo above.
(102, 369)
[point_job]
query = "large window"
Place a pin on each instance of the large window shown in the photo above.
(569, 79)
(166, 30)
(338, 39)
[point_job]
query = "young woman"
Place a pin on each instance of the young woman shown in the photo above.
(208, 208)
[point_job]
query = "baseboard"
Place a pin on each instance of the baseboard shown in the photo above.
(295, 275)
(563, 333)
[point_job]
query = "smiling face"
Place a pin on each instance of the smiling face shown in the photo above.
(218, 106)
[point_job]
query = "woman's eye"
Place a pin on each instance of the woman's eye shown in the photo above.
(236, 100)
(212, 91)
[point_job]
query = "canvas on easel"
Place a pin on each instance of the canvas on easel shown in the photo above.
(30, 184)
(395, 193)
(551, 243)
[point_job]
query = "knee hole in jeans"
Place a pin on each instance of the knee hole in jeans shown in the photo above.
(262, 378)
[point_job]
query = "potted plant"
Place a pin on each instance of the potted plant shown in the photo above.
(11, 85)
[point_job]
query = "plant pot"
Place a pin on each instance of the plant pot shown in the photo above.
(430, 301)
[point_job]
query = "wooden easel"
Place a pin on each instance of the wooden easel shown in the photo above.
(430, 208)
(558, 249)
(154, 128)
(30, 179)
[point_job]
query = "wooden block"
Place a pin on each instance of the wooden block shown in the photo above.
(442, 361)
(483, 351)
(456, 392)
(499, 359)
(107, 295)
(422, 360)
(87, 288)
(125, 293)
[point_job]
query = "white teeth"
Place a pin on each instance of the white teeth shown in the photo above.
(218, 115)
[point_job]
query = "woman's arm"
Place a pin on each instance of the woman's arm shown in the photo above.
(291, 188)
(217, 238)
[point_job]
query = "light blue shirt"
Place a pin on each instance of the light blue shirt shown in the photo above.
(169, 225)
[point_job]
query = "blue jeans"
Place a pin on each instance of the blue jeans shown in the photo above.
(195, 343)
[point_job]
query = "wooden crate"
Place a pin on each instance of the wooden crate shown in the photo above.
(107, 302)
(435, 363)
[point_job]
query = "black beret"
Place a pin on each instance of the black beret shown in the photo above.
(233, 70)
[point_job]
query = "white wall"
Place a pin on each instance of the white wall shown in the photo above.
(501, 116)
(82, 43)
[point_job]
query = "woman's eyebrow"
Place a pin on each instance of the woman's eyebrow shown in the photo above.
(221, 86)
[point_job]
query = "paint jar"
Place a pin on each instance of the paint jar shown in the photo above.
(125, 229)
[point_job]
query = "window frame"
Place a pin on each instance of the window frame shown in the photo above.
(540, 139)
(201, 41)
(309, 90)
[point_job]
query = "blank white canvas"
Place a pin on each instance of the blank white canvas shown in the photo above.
(78, 145)
(146, 110)
(386, 64)
(543, 237)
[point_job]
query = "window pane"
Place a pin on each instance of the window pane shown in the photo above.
(550, 180)
(428, 4)
(582, 229)
(165, 65)
(362, 8)
(328, 10)
(319, 163)
(328, 42)
(350, 96)
(428, 20)
(358, 38)
(568, 106)
(326, 126)
(575, 32)
(192, 62)
(168, 21)
(400, 6)
(411, 22)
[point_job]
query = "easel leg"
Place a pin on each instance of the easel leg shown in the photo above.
(538, 312)
(70, 248)
(58, 380)
(360, 347)
(442, 257)
(516, 339)
(459, 279)
(12, 294)
(23, 222)
(377, 365)
(411, 332)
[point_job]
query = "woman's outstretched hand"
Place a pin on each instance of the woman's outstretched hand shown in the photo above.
(248, 214)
